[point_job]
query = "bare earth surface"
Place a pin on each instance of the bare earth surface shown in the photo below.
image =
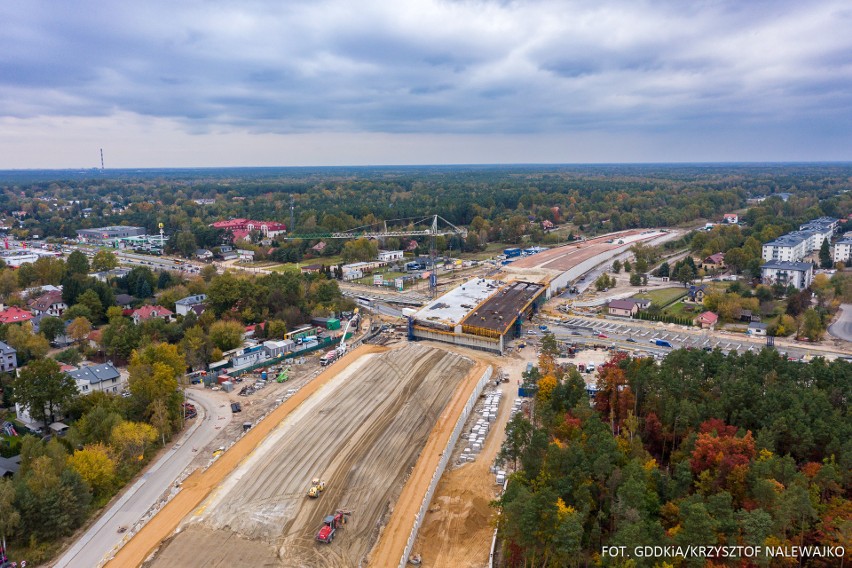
(197, 486)
(458, 528)
(362, 432)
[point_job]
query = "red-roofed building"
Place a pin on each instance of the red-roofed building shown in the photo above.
(707, 320)
(732, 218)
(49, 303)
(146, 313)
(715, 260)
(14, 314)
(240, 228)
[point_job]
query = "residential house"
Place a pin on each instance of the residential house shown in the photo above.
(14, 314)
(311, 268)
(706, 320)
(105, 275)
(624, 308)
(546, 225)
(746, 316)
(9, 466)
(146, 313)
(390, 255)
(642, 303)
(124, 301)
(61, 340)
(203, 254)
(696, 293)
(757, 328)
(185, 305)
(102, 378)
(732, 218)
(49, 303)
(245, 255)
(715, 261)
(799, 274)
(8, 358)
(319, 247)
(412, 246)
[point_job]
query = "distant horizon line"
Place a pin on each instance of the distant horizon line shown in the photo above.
(436, 165)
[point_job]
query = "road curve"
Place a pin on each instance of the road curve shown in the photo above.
(91, 548)
(842, 328)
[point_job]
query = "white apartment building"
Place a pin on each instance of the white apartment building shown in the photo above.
(791, 247)
(843, 250)
(799, 274)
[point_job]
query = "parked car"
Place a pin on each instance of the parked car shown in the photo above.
(630, 340)
(603, 336)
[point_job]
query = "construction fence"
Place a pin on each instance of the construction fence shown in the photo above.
(445, 458)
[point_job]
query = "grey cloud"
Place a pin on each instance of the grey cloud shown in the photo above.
(470, 67)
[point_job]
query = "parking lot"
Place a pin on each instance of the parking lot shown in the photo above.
(642, 337)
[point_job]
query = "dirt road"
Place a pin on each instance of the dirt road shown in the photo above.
(458, 528)
(362, 432)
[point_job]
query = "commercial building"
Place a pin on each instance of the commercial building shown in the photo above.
(390, 255)
(103, 235)
(799, 274)
(481, 313)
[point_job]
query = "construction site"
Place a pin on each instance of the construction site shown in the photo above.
(557, 267)
(361, 433)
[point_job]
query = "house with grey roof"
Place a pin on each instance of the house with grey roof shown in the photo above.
(8, 358)
(102, 378)
(757, 328)
(185, 305)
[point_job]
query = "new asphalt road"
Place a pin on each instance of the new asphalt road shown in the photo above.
(842, 328)
(103, 536)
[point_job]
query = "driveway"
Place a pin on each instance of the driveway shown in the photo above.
(842, 328)
(89, 550)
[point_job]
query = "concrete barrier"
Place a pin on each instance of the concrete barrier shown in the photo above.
(445, 458)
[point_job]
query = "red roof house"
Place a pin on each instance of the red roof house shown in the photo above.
(707, 320)
(146, 313)
(14, 314)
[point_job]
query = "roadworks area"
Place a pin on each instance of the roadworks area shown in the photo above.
(361, 431)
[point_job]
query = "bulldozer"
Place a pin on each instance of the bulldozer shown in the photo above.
(317, 487)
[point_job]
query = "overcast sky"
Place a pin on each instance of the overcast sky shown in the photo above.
(278, 83)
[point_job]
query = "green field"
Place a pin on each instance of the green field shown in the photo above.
(663, 296)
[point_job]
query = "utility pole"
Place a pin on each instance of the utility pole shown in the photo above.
(102, 159)
(292, 212)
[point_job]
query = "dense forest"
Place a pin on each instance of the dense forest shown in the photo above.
(702, 449)
(498, 203)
